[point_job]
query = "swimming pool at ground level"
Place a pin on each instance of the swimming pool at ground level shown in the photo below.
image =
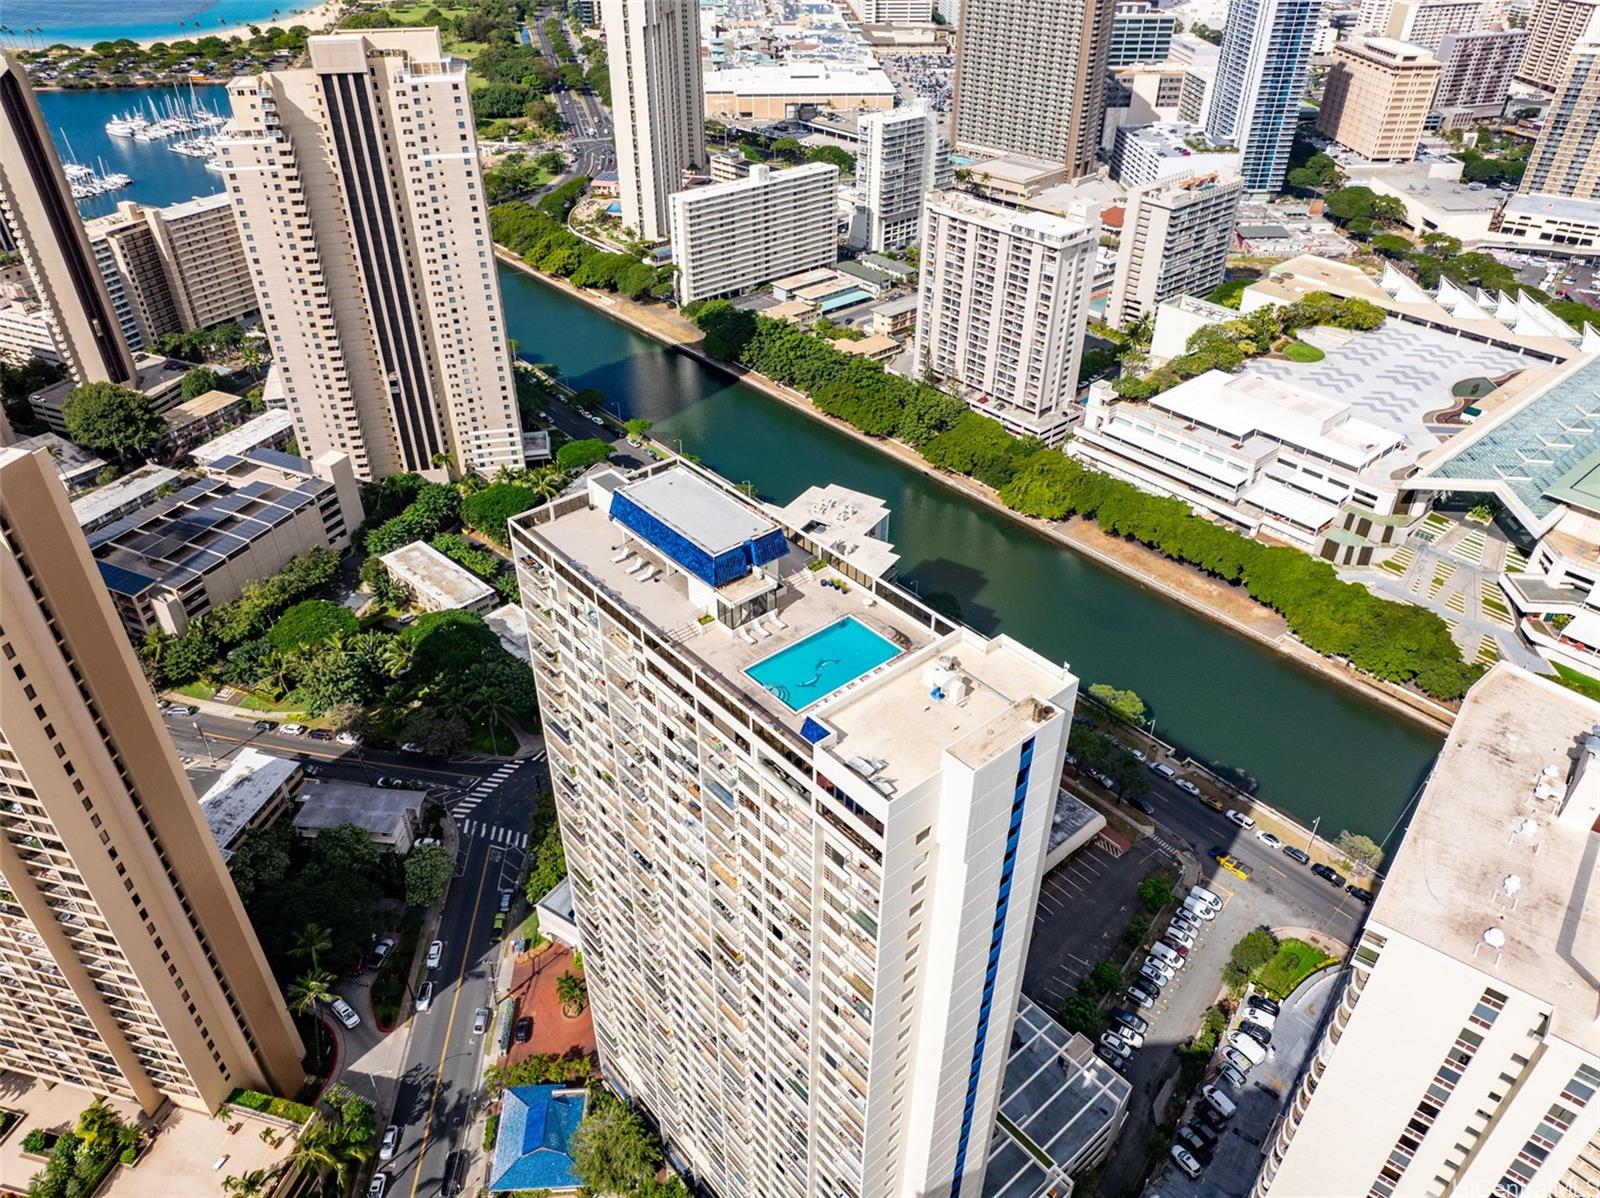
(809, 671)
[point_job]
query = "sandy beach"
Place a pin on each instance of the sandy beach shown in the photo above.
(323, 16)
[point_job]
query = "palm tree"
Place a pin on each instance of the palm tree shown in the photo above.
(571, 992)
(253, 1184)
(315, 1151)
(313, 940)
(279, 672)
(545, 482)
(490, 703)
(310, 988)
(395, 656)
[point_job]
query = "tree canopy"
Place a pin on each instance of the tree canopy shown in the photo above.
(113, 418)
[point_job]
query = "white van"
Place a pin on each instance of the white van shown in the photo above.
(1162, 953)
(1247, 1047)
(1223, 1104)
(1199, 909)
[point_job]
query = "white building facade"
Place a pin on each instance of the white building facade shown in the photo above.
(1261, 76)
(356, 185)
(658, 100)
(762, 831)
(896, 167)
(731, 236)
(1176, 236)
(1002, 308)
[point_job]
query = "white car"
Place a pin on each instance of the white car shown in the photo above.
(348, 738)
(1158, 972)
(1240, 818)
(380, 1182)
(593, 419)
(1268, 839)
(1130, 1037)
(292, 729)
(345, 1013)
(1209, 897)
(435, 954)
(480, 1021)
(1185, 784)
(1186, 1161)
(1181, 933)
(425, 997)
(391, 1141)
(1116, 1044)
(1138, 753)
(1160, 767)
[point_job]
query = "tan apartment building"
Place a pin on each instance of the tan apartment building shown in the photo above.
(1031, 79)
(1461, 1054)
(1566, 158)
(172, 269)
(1176, 235)
(37, 208)
(659, 101)
(1554, 28)
(1377, 97)
(129, 965)
(360, 203)
(1426, 22)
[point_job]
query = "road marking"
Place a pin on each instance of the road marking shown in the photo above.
(444, 1050)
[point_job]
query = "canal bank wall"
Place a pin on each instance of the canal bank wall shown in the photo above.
(1217, 601)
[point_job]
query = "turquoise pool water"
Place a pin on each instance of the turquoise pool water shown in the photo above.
(812, 669)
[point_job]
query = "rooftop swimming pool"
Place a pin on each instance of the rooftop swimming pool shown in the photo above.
(810, 670)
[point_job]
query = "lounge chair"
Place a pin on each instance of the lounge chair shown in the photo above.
(623, 556)
(638, 566)
(649, 573)
(744, 635)
(776, 622)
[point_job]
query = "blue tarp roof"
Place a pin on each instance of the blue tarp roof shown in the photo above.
(530, 1151)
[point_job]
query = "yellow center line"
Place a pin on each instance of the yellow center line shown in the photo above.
(444, 1051)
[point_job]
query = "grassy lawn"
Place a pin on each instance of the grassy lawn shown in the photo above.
(1582, 683)
(1299, 351)
(502, 740)
(1294, 961)
(414, 11)
(255, 701)
(1227, 294)
(196, 690)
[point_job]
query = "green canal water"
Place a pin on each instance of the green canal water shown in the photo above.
(1313, 748)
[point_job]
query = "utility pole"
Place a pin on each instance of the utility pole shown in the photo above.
(1313, 837)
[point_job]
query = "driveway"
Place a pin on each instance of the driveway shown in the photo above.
(1233, 1170)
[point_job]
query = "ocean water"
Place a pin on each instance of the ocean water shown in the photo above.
(34, 23)
(77, 123)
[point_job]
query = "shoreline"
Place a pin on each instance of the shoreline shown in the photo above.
(316, 17)
(1152, 571)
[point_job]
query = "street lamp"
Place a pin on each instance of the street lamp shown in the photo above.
(1313, 837)
(205, 744)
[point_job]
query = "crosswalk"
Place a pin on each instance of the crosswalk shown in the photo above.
(474, 829)
(484, 788)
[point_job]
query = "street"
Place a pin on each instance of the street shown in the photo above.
(587, 121)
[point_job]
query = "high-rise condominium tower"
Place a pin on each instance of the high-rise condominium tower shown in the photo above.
(127, 965)
(355, 181)
(1261, 75)
(1176, 234)
(1461, 1053)
(1426, 22)
(1031, 78)
(1478, 66)
(37, 209)
(896, 168)
(659, 102)
(804, 818)
(1002, 306)
(1377, 97)
(1554, 29)
(1566, 158)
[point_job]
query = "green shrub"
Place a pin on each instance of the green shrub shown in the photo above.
(311, 622)
(488, 510)
(38, 1141)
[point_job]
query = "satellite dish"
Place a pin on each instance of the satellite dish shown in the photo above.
(1494, 938)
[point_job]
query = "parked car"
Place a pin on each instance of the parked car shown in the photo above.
(1360, 893)
(1186, 1161)
(1162, 768)
(1210, 1116)
(523, 1031)
(1130, 1037)
(435, 954)
(505, 900)
(1267, 1019)
(163, 704)
(1217, 1099)
(1110, 1057)
(1239, 817)
(425, 996)
(1129, 1020)
(264, 725)
(1235, 867)
(1143, 804)
(1142, 994)
(1199, 910)
(345, 1013)
(381, 950)
(1116, 1044)
(1179, 934)
(1328, 874)
(1268, 839)
(181, 709)
(1199, 1139)
(1262, 1003)
(1260, 1033)
(348, 738)
(380, 1182)
(411, 746)
(480, 1021)
(1241, 1062)
(1138, 753)
(1214, 804)
(390, 1142)
(1295, 854)
(1176, 945)
(1209, 897)
(310, 769)
(1189, 923)
(292, 729)
(1231, 1077)
(1167, 954)
(1185, 784)
(1246, 1046)
(1157, 971)
(320, 734)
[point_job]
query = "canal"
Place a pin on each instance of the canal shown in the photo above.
(1313, 747)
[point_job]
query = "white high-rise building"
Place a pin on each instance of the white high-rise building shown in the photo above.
(1426, 22)
(1261, 77)
(1461, 1053)
(1176, 235)
(356, 185)
(1002, 308)
(896, 167)
(658, 101)
(804, 819)
(730, 236)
